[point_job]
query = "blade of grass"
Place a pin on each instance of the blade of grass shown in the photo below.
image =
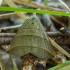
(65, 5)
(59, 66)
(20, 14)
(14, 63)
(34, 11)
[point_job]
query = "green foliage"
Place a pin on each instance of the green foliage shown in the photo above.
(34, 11)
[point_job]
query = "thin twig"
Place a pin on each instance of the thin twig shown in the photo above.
(35, 5)
(5, 40)
(9, 15)
(65, 5)
(7, 34)
(51, 34)
(11, 27)
(57, 34)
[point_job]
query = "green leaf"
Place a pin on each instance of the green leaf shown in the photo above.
(34, 11)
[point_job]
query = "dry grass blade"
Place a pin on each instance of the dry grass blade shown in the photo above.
(9, 15)
(11, 27)
(11, 4)
(35, 5)
(59, 48)
(14, 64)
(65, 5)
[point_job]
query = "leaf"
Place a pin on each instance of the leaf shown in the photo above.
(34, 11)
